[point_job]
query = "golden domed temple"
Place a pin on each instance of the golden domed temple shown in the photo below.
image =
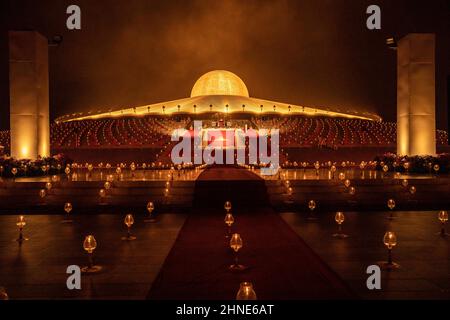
(224, 92)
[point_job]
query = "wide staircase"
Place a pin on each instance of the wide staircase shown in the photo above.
(24, 197)
(218, 184)
(370, 194)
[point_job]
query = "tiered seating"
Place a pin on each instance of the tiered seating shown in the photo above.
(135, 132)
(154, 132)
(62, 135)
(335, 132)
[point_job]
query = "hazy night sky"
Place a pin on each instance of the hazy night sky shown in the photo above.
(309, 52)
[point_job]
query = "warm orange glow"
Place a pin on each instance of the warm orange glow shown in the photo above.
(390, 240)
(443, 216)
(21, 222)
(29, 106)
(220, 92)
(68, 207)
(246, 292)
(219, 82)
(23, 139)
(89, 243)
(150, 207)
(227, 206)
(24, 152)
(416, 101)
(236, 242)
(129, 220)
(229, 219)
(26, 144)
(311, 205)
(339, 217)
(391, 204)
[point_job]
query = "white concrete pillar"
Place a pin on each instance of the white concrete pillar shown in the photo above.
(29, 94)
(416, 120)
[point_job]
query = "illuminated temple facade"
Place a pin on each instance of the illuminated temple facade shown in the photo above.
(224, 92)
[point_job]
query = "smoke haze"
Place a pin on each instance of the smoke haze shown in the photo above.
(312, 52)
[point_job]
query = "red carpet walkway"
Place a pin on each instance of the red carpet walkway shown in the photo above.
(281, 265)
(218, 184)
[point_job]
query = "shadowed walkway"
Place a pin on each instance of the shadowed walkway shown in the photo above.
(218, 184)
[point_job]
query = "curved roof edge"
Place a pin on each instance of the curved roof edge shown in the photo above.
(223, 104)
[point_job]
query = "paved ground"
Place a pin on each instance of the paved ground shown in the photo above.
(37, 268)
(424, 257)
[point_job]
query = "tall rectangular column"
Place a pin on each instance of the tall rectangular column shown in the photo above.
(416, 120)
(29, 95)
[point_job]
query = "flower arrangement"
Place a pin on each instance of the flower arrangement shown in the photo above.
(414, 164)
(31, 168)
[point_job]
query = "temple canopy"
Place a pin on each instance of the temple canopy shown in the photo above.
(220, 91)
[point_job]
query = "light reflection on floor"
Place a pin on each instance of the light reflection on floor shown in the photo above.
(424, 256)
(37, 269)
(125, 175)
(350, 173)
(192, 175)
